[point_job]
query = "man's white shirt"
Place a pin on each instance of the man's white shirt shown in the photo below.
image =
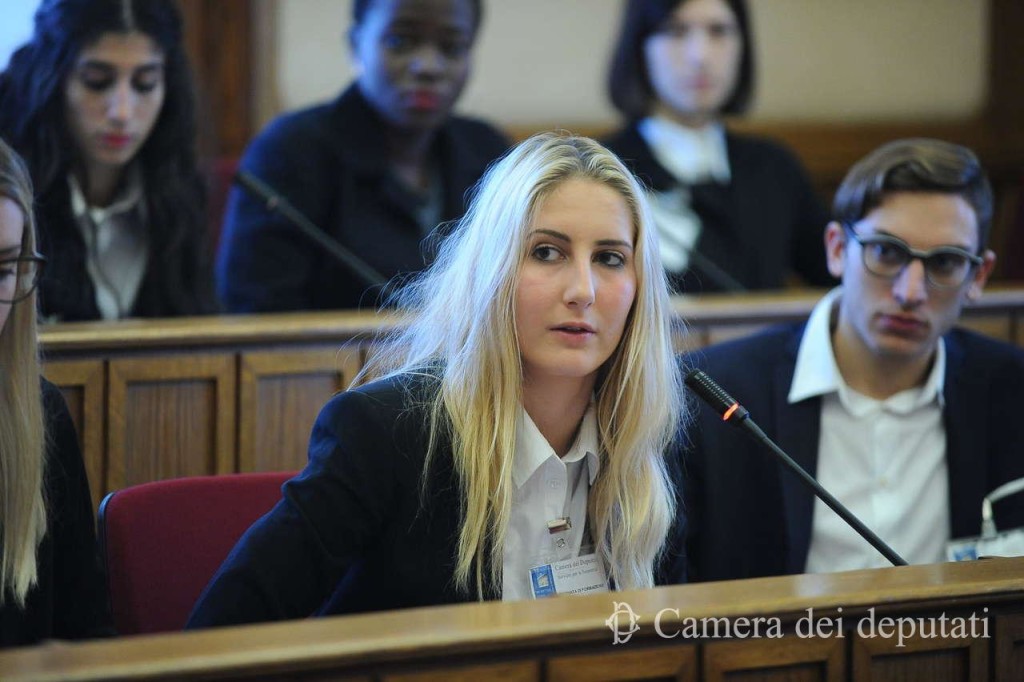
(884, 459)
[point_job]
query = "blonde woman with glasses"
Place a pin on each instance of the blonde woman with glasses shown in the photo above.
(515, 444)
(51, 584)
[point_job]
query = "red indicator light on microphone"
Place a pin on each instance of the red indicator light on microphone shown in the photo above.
(730, 411)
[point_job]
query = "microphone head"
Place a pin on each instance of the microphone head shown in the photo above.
(714, 395)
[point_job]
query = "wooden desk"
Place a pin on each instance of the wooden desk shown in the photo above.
(568, 639)
(157, 399)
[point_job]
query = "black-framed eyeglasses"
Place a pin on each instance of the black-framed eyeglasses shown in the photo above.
(945, 267)
(19, 276)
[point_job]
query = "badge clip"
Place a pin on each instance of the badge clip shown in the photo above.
(559, 525)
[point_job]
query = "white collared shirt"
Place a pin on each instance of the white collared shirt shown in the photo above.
(116, 244)
(547, 487)
(690, 155)
(884, 459)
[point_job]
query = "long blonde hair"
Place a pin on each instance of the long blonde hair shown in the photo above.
(22, 439)
(462, 330)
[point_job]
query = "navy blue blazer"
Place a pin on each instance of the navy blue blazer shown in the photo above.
(748, 517)
(329, 162)
(353, 533)
(765, 224)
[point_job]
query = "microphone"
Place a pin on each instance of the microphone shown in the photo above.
(712, 204)
(275, 203)
(735, 414)
(716, 273)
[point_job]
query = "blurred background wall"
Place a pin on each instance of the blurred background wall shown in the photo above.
(544, 61)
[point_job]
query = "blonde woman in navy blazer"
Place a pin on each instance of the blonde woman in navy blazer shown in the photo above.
(408, 492)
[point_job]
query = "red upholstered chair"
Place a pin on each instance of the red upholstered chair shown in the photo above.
(162, 542)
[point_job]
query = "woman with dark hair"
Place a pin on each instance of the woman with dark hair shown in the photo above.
(51, 583)
(100, 104)
(734, 212)
(377, 169)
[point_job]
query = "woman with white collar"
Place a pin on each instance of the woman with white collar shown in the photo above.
(100, 104)
(734, 212)
(519, 441)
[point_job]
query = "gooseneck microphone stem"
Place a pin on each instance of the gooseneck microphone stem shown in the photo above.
(275, 203)
(735, 414)
(716, 273)
(825, 496)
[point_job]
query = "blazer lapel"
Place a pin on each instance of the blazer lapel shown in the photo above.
(966, 440)
(720, 240)
(797, 429)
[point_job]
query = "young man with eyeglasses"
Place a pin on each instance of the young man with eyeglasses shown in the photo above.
(906, 420)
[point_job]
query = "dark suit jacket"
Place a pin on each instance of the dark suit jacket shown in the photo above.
(178, 279)
(766, 223)
(329, 162)
(748, 517)
(352, 532)
(70, 600)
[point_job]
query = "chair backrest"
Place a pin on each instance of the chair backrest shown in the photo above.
(163, 541)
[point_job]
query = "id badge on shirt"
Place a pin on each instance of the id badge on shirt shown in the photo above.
(584, 574)
(1006, 543)
(990, 542)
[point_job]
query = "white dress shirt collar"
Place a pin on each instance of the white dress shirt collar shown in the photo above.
(817, 374)
(126, 200)
(532, 449)
(116, 244)
(547, 488)
(691, 155)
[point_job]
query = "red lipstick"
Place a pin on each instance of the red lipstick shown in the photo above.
(116, 141)
(424, 99)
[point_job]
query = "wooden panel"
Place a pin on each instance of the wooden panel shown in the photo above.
(240, 331)
(1006, 68)
(280, 395)
(1008, 657)
(522, 671)
(81, 382)
(791, 658)
(218, 43)
(998, 327)
(466, 639)
(170, 416)
(690, 339)
(938, 659)
(286, 366)
(318, 329)
(1016, 326)
(665, 663)
(720, 333)
(312, 677)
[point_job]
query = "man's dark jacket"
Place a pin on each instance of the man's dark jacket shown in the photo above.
(748, 517)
